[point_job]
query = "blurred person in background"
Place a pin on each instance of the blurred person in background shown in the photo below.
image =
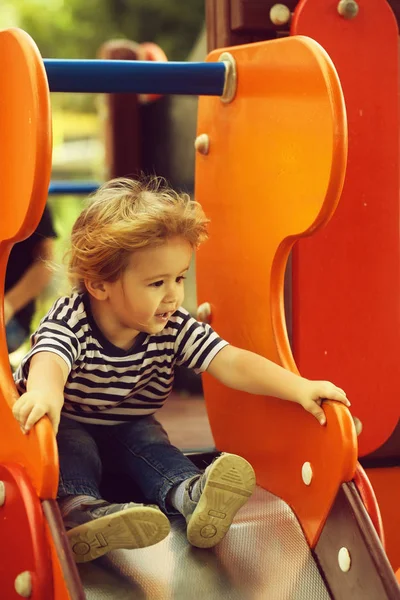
(27, 276)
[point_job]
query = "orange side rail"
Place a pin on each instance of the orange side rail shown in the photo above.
(28, 464)
(25, 156)
(273, 173)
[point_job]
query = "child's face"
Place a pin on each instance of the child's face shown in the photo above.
(151, 288)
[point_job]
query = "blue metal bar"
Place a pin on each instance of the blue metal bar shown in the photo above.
(142, 77)
(73, 187)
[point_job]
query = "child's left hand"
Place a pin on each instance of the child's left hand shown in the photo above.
(312, 393)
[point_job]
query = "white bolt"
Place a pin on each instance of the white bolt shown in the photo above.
(2, 493)
(306, 473)
(348, 9)
(279, 14)
(229, 91)
(204, 313)
(23, 584)
(357, 424)
(202, 143)
(344, 560)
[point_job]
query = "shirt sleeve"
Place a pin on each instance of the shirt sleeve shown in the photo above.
(197, 344)
(53, 336)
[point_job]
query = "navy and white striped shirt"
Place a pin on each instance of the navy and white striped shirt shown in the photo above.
(108, 385)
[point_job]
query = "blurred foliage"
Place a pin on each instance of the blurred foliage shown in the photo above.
(76, 29)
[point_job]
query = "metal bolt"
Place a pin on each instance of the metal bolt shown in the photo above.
(204, 313)
(348, 9)
(344, 560)
(23, 584)
(2, 493)
(230, 86)
(280, 14)
(202, 143)
(357, 424)
(306, 473)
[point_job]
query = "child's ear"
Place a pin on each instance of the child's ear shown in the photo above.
(97, 289)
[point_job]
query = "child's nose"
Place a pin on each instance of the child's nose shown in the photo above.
(171, 296)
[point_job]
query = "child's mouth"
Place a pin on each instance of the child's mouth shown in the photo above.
(163, 316)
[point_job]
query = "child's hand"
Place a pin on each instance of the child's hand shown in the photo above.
(313, 392)
(34, 405)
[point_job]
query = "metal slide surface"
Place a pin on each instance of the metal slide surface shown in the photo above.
(264, 555)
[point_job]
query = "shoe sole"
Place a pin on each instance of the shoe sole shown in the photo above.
(137, 527)
(230, 483)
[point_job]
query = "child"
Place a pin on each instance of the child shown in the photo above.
(102, 363)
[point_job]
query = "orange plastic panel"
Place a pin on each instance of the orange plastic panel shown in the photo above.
(386, 484)
(274, 173)
(25, 163)
(25, 125)
(23, 537)
(346, 285)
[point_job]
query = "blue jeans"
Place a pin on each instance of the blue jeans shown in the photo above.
(138, 451)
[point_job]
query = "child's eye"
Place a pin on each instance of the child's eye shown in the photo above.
(157, 283)
(180, 279)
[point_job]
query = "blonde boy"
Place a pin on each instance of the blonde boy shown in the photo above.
(102, 363)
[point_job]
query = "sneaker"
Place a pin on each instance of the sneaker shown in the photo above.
(98, 527)
(225, 486)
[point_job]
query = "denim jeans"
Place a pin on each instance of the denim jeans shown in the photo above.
(138, 451)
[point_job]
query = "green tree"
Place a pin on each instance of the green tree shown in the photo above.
(76, 29)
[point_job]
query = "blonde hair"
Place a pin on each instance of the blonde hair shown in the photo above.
(124, 215)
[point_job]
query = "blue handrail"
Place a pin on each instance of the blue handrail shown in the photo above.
(73, 187)
(144, 77)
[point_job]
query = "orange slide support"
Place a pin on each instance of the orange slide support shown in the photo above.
(273, 174)
(28, 464)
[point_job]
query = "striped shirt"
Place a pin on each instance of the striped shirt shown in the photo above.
(107, 385)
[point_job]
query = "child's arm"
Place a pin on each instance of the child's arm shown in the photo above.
(48, 373)
(249, 372)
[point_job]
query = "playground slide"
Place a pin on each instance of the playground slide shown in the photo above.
(280, 100)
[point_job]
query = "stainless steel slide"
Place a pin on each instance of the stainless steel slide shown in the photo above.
(264, 556)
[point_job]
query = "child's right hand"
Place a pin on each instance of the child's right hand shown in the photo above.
(312, 393)
(33, 405)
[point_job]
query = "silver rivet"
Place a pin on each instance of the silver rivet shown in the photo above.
(280, 14)
(2, 493)
(202, 143)
(344, 560)
(23, 584)
(348, 9)
(204, 313)
(230, 86)
(306, 473)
